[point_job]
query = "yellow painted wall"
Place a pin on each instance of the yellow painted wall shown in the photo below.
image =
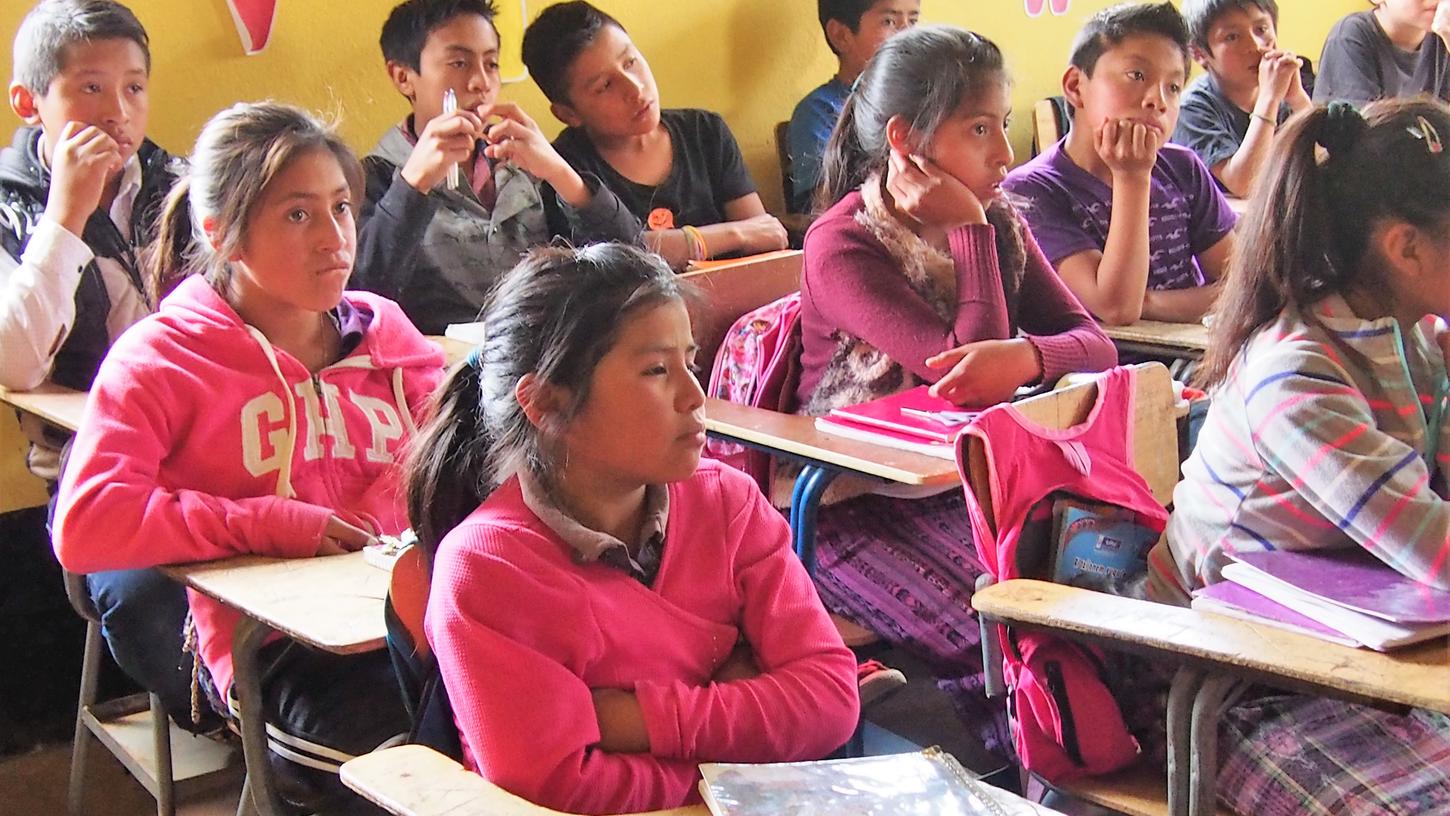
(751, 60)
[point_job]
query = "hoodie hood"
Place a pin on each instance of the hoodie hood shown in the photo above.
(394, 146)
(203, 441)
(20, 164)
(195, 310)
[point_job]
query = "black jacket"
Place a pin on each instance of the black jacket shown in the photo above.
(24, 187)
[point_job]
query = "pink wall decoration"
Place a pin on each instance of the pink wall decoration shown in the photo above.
(1036, 7)
(254, 19)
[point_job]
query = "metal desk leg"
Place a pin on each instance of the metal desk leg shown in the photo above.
(805, 499)
(1208, 707)
(1181, 694)
(246, 643)
(996, 683)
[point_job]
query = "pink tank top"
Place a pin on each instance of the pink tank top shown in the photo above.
(1027, 462)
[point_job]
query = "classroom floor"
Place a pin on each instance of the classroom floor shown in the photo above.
(40, 647)
(34, 782)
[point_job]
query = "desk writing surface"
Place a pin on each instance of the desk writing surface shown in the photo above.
(453, 350)
(418, 780)
(334, 602)
(1417, 675)
(1191, 336)
(53, 403)
(731, 288)
(791, 433)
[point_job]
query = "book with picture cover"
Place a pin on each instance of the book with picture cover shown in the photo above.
(923, 783)
(1098, 545)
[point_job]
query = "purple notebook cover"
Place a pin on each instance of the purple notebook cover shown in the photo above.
(1355, 579)
(1232, 594)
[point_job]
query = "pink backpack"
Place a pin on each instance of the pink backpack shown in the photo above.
(757, 365)
(1065, 721)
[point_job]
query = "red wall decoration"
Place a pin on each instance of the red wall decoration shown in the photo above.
(254, 19)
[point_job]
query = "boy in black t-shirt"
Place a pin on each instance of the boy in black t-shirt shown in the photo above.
(1228, 115)
(679, 171)
(1397, 49)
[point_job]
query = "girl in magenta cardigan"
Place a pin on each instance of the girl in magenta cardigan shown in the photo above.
(607, 610)
(921, 272)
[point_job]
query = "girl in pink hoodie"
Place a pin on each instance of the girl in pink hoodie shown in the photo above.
(260, 411)
(607, 610)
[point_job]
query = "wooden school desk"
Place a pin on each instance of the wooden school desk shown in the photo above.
(414, 780)
(54, 404)
(1184, 341)
(453, 350)
(825, 456)
(733, 287)
(1219, 653)
(333, 603)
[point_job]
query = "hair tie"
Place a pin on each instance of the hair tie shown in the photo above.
(1342, 128)
(475, 358)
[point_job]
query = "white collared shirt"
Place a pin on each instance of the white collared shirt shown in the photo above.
(37, 292)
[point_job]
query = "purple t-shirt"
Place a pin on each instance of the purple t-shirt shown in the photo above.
(1069, 210)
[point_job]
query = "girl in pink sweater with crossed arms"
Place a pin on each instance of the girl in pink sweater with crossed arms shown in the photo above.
(608, 610)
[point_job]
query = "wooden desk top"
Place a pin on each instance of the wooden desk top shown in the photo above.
(797, 435)
(453, 350)
(50, 402)
(1417, 676)
(415, 779)
(1192, 336)
(334, 603)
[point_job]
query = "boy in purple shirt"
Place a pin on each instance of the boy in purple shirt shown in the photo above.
(1136, 227)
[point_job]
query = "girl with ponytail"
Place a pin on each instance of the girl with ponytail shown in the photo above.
(920, 271)
(1327, 432)
(607, 609)
(260, 411)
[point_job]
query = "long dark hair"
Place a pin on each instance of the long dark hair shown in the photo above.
(923, 75)
(555, 315)
(1334, 176)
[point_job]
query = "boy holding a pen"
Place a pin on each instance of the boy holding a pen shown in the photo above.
(435, 246)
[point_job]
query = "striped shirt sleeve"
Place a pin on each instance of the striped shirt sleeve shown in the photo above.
(1313, 426)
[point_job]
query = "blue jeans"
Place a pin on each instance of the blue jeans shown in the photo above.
(142, 615)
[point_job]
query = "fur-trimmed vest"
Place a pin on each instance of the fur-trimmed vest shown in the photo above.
(858, 371)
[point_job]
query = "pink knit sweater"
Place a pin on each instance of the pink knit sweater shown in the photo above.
(523, 633)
